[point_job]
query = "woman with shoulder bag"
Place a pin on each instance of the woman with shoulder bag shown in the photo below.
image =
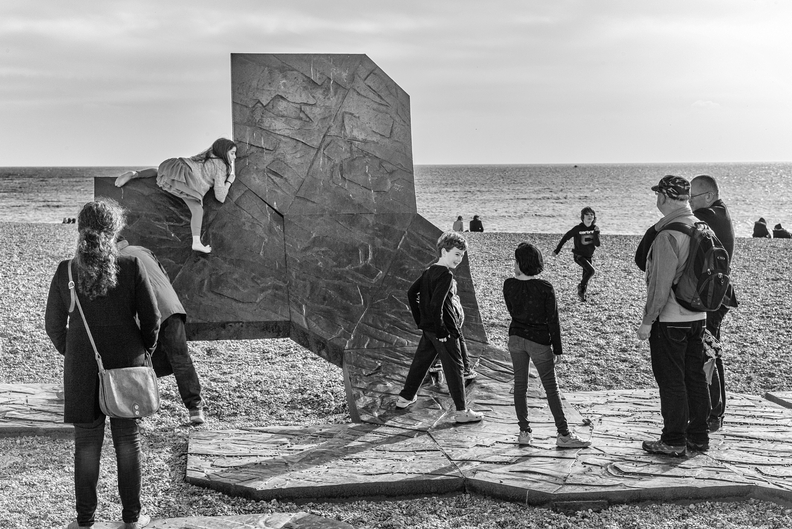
(112, 291)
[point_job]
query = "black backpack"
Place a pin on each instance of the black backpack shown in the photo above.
(705, 281)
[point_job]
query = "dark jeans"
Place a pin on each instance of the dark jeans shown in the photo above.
(677, 352)
(521, 351)
(588, 270)
(717, 389)
(451, 359)
(88, 439)
(462, 349)
(173, 356)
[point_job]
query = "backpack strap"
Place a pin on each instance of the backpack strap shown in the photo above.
(687, 229)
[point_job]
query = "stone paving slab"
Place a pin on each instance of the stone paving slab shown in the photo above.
(32, 409)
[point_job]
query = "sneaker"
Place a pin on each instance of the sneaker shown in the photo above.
(468, 415)
(197, 416)
(581, 293)
(715, 424)
(470, 374)
(659, 447)
(698, 447)
(402, 403)
(571, 440)
(525, 438)
(143, 521)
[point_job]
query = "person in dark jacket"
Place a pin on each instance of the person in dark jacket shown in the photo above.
(707, 206)
(172, 354)
(760, 229)
(475, 224)
(115, 294)
(437, 311)
(781, 233)
(586, 239)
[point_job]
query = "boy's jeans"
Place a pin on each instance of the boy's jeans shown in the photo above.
(88, 439)
(588, 269)
(677, 353)
(450, 357)
(522, 351)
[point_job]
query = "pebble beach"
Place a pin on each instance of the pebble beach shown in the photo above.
(276, 382)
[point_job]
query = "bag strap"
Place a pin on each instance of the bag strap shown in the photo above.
(75, 299)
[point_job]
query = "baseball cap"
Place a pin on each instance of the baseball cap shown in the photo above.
(673, 187)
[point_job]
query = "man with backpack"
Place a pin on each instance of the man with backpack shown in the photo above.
(708, 207)
(674, 332)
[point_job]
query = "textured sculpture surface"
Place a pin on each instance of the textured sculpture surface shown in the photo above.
(319, 237)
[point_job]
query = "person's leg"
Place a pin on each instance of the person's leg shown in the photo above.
(544, 360)
(520, 358)
(424, 356)
(173, 340)
(717, 391)
(668, 346)
(696, 385)
(196, 221)
(588, 272)
(134, 175)
(88, 439)
(464, 351)
(126, 440)
(451, 358)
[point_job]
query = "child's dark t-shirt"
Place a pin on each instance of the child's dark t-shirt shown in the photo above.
(534, 311)
(586, 239)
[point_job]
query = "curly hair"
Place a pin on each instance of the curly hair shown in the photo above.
(219, 149)
(98, 224)
(529, 259)
(451, 239)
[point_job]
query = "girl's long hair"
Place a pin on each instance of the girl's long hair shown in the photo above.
(96, 257)
(219, 149)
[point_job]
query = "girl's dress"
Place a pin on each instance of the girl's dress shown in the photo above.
(191, 178)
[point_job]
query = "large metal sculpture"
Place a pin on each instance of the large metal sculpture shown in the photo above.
(319, 237)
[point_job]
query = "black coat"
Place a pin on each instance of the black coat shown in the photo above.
(111, 319)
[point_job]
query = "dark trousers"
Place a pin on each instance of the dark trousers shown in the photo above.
(717, 389)
(88, 439)
(451, 359)
(173, 356)
(677, 351)
(462, 349)
(522, 351)
(588, 270)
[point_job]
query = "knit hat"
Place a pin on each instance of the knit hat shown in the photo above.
(673, 187)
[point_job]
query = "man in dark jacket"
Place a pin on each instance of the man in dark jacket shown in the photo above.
(707, 206)
(171, 354)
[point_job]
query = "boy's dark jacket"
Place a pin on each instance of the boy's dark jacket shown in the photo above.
(430, 299)
(586, 239)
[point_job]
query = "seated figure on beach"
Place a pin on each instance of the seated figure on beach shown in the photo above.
(459, 224)
(191, 178)
(781, 233)
(476, 224)
(760, 229)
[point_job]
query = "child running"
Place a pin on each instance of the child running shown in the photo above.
(535, 334)
(586, 236)
(438, 312)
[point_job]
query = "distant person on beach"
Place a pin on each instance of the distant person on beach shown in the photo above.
(475, 224)
(171, 354)
(781, 233)
(535, 334)
(438, 312)
(191, 178)
(459, 224)
(707, 206)
(675, 334)
(586, 240)
(760, 229)
(121, 310)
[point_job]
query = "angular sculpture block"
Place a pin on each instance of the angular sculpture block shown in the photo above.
(319, 237)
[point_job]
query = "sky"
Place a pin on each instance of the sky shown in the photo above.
(96, 83)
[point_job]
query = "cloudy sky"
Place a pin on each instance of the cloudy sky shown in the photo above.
(514, 81)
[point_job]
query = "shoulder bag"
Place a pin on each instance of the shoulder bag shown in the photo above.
(126, 392)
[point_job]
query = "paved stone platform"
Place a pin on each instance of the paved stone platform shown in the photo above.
(32, 409)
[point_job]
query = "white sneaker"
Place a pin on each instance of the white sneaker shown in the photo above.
(525, 438)
(402, 403)
(468, 415)
(571, 441)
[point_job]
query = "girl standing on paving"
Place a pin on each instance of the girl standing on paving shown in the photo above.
(535, 334)
(191, 178)
(113, 290)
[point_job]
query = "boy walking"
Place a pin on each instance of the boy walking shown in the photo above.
(438, 312)
(586, 236)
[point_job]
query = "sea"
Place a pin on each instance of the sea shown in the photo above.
(507, 198)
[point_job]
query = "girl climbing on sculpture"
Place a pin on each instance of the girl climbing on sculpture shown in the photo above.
(191, 178)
